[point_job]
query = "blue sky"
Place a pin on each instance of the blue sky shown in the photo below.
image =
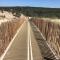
(35, 3)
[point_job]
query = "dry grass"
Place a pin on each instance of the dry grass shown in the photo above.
(7, 31)
(51, 31)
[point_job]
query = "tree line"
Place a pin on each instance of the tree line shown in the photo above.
(34, 11)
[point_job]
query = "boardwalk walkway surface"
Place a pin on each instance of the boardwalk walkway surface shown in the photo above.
(23, 46)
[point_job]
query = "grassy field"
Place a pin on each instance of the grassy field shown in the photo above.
(50, 29)
(7, 32)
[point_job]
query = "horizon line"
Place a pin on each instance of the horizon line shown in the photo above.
(29, 6)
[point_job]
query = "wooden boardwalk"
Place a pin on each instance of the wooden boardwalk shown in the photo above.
(28, 44)
(23, 46)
